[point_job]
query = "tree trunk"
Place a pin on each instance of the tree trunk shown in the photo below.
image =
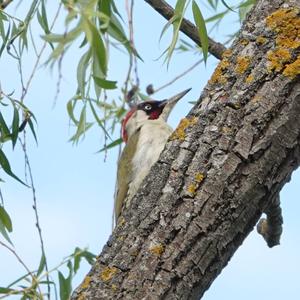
(219, 171)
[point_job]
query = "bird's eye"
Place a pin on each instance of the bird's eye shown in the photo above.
(148, 107)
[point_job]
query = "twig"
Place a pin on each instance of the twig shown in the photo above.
(60, 76)
(37, 224)
(132, 57)
(34, 279)
(130, 21)
(39, 57)
(178, 76)
(5, 4)
(187, 27)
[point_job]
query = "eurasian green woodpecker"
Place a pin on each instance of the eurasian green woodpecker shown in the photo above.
(145, 132)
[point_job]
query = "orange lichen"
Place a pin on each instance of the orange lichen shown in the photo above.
(278, 58)
(261, 40)
(242, 64)
(199, 177)
(244, 42)
(179, 133)
(256, 99)
(86, 282)
(218, 75)
(250, 78)
(108, 273)
(227, 53)
(192, 188)
(292, 70)
(121, 238)
(81, 296)
(286, 23)
(121, 221)
(157, 249)
(226, 130)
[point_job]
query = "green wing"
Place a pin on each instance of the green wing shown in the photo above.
(124, 174)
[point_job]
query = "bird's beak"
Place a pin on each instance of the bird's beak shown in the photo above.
(169, 104)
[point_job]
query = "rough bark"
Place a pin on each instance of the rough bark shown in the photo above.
(224, 164)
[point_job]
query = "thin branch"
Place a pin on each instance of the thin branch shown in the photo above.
(37, 224)
(34, 279)
(5, 4)
(187, 27)
(178, 76)
(39, 57)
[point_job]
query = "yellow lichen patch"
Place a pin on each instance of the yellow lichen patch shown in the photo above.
(192, 189)
(157, 249)
(226, 130)
(292, 70)
(121, 238)
(179, 133)
(261, 40)
(250, 78)
(86, 282)
(108, 273)
(218, 75)
(199, 177)
(242, 64)
(277, 59)
(286, 23)
(114, 287)
(244, 42)
(121, 221)
(256, 99)
(227, 53)
(81, 296)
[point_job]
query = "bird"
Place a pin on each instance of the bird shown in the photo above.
(145, 132)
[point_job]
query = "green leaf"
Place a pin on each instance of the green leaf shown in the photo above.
(227, 6)
(32, 129)
(100, 123)
(111, 145)
(89, 257)
(5, 39)
(82, 126)
(31, 11)
(64, 287)
(106, 84)
(4, 290)
(3, 128)
(70, 109)
(15, 127)
(43, 18)
(98, 46)
(77, 259)
(4, 163)
(4, 233)
(178, 14)
(5, 219)
(217, 16)
(166, 26)
(81, 71)
(63, 38)
(42, 264)
(200, 23)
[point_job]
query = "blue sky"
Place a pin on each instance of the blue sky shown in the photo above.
(75, 186)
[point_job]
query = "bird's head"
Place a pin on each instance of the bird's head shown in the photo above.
(148, 110)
